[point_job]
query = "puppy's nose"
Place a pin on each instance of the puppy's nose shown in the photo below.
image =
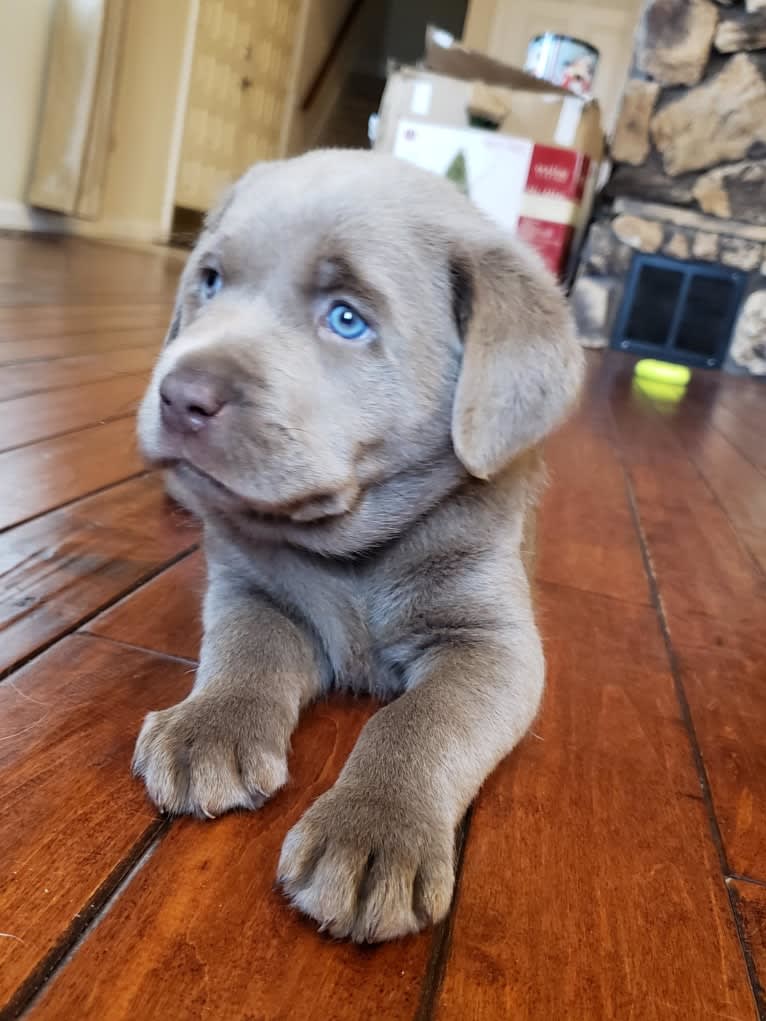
(190, 399)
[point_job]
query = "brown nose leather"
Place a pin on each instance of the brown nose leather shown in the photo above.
(190, 399)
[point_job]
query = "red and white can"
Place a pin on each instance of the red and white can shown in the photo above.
(563, 61)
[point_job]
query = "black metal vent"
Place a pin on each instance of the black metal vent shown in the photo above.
(681, 311)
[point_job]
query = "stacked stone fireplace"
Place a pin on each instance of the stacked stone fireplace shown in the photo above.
(675, 260)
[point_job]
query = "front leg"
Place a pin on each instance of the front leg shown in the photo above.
(373, 858)
(225, 746)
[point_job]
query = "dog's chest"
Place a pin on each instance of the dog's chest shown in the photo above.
(354, 613)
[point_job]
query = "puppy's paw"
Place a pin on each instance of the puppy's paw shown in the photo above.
(207, 755)
(371, 871)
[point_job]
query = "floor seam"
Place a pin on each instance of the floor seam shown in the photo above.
(688, 723)
(48, 359)
(737, 877)
(71, 386)
(143, 472)
(75, 628)
(714, 495)
(23, 334)
(87, 920)
(742, 453)
(69, 432)
(436, 967)
(700, 404)
(185, 660)
(620, 600)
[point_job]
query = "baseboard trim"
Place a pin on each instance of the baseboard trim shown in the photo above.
(16, 216)
(142, 231)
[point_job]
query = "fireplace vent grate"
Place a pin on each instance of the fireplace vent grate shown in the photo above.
(683, 311)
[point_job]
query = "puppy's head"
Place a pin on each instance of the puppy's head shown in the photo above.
(350, 338)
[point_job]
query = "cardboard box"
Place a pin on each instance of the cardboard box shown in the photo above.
(525, 151)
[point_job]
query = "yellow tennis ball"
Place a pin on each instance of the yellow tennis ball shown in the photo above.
(663, 372)
(660, 393)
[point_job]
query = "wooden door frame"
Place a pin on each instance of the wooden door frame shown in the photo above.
(479, 22)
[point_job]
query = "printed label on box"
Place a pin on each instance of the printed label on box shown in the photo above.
(558, 172)
(550, 240)
(492, 169)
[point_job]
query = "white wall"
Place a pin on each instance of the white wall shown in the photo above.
(145, 127)
(24, 30)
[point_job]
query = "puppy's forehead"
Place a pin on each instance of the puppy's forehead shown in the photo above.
(334, 215)
(395, 225)
(321, 197)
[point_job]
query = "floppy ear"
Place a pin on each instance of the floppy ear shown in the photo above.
(522, 363)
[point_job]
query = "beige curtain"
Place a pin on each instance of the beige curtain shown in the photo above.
(74, 131)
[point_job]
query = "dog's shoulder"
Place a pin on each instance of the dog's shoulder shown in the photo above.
(488, 516)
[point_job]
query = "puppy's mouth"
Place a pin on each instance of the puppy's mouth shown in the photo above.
(310, 510)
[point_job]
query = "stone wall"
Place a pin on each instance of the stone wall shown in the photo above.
(692, 128)
(689, 175)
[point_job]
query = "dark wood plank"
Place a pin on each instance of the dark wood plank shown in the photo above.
(713, 596)
(586, 536)
(745, 435)
(165, 615)
(77, 314)
(200, 930)
(726, 690)
(42, 415)
(72, 271)
(736, 407)
(45, 475)
(66, 345)
(590, 885)
(737, 484)
(710, 587)
(62, 568)
(751, 905)
(137, 320)
(18, 380)
(73, 819)
(742, 395)
(53, 292)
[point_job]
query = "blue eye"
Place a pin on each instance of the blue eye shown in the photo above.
(346, 322)
(210, 283)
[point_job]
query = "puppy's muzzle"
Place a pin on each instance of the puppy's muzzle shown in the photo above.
(190, 400)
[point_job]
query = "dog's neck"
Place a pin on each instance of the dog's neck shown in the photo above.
(384, 513)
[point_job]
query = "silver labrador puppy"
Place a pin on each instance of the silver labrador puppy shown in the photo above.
(358, 373)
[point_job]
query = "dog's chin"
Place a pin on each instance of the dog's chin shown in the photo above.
(202, 492)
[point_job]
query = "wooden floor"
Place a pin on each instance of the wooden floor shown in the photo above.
(613, 867)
